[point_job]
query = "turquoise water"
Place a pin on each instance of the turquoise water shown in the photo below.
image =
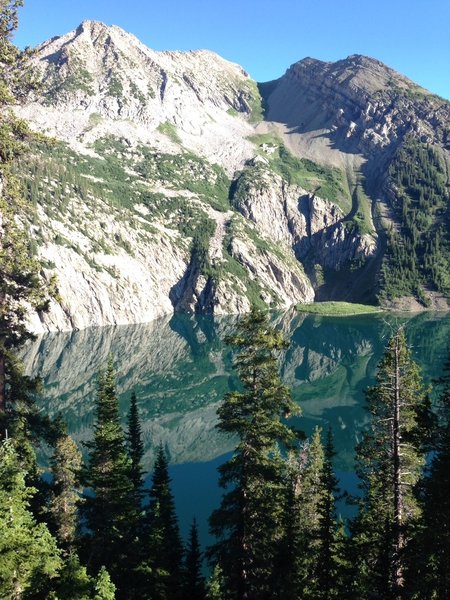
(180, 369)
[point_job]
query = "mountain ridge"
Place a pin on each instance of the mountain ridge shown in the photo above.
(289, 179)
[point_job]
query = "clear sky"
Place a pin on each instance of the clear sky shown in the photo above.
(267, 36)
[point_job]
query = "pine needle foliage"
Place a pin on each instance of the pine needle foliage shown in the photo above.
(248, 523)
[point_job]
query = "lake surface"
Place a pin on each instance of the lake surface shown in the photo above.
(180, 369)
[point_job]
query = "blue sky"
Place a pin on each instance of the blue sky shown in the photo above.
(266, 36)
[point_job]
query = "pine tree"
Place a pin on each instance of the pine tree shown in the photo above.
(331, 534)
(299, 560)
(109, 509)
(430, 558)
(313, 548)
(249, 522)
(164, 545)
(104, 587)
(389, 463)
(194, 582)
(136, 524)
(215, 585)
(135, 451)
(65, 466)
(73, 581)
(29, 555)
(20, 284)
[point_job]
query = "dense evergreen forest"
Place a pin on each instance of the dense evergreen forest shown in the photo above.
(418, 253)
(93, 531)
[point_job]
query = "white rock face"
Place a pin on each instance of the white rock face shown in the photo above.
(101, 80)
(290, 285)
(292, 216)
(108, 289)
(131, 264)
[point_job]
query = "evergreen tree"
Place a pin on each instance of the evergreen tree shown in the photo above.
(313, 553)
(65, 466)
(136, 524)
(194, 582)
(301, 546)
(249, 522)
(331, 535)
(430, 558)
(135, 451)
(215, 585)
(29, 557)
(164, 545)
(389, 463)
(73, 583)
(109, 510)
(313, 556)
(20, 284)
(104, 587)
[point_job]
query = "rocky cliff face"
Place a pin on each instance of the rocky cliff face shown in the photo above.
(293, 217)
(166, 190)
(365, 105)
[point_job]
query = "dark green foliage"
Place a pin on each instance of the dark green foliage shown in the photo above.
(110, 509)
(163, 565)
(77, 78)
(299, 557)
(9, 54)
(19, 276)
(115, 87)
(104, 587)
(187, 171)
(65, 467)
(73, 582)
(418, 254)
(216, 585)
(57, 178)
(331, 535)
(54, 174)
(30, 558)
(194, 583)
(200, 246)
(135, 448)
(311, 559)
(136, 535)
(390, 459)
(430, 559)
(249, 522)
(232, 267)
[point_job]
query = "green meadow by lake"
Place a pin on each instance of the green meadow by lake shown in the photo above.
(180, 369)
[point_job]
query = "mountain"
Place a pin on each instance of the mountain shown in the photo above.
(171, 181)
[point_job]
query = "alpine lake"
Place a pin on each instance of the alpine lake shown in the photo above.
(180, 368)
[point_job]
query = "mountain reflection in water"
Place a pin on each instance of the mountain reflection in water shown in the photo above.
(180, 369)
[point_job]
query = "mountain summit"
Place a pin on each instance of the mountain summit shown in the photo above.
(179, 183)
(106, 71)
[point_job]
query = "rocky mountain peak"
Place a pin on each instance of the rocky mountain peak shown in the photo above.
(91, 27)
(104, 50)
(364, 106)
(99, 80)
(358, 73)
